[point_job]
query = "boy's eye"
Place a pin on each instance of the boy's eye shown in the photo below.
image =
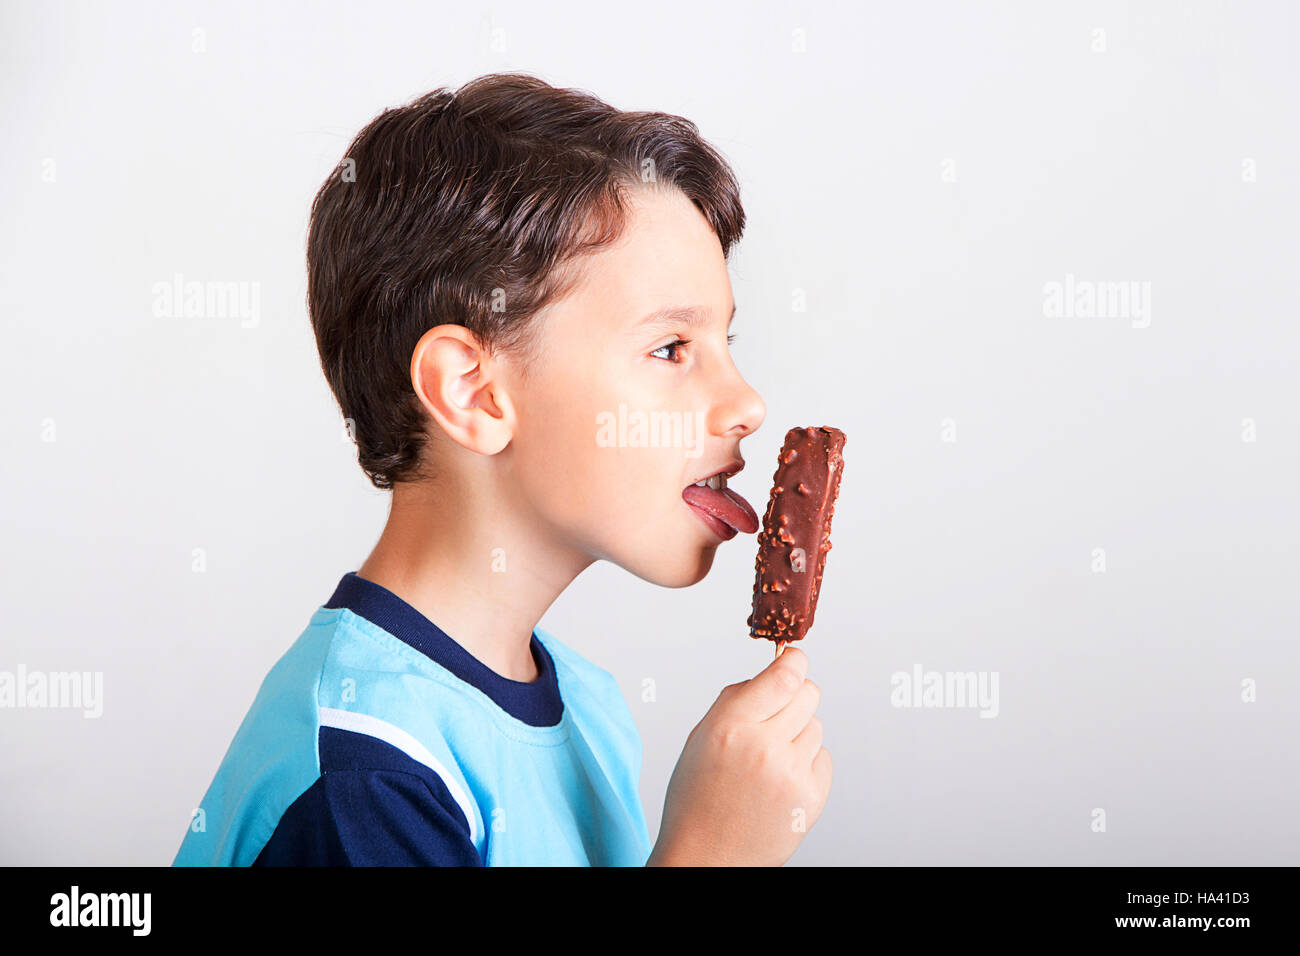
(678, 344)
(671, 345)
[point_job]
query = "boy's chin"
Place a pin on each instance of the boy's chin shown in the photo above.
(669, 570)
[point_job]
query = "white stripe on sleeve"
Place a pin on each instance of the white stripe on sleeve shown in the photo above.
(403, 741)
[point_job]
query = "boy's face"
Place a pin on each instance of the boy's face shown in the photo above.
(613, 424)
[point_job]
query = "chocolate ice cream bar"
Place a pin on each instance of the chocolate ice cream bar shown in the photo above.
(796, 533)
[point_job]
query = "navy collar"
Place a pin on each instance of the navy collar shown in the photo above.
(537, 703)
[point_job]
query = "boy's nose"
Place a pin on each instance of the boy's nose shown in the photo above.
(742, 412)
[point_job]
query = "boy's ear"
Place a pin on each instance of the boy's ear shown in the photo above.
(453, 378)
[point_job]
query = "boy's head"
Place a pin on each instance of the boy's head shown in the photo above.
(484, 272)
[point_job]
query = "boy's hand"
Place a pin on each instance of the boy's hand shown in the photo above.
(753, 776)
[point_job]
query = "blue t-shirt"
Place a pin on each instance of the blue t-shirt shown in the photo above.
(378, 740)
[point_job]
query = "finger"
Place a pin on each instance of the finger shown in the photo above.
(809, 742)
(791, 719)
(822, 771)
(772, 688)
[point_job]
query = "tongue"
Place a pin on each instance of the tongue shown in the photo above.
(726, 506)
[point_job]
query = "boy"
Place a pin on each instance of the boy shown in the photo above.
(492, 273)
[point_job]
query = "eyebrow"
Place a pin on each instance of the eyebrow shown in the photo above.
(691, 316)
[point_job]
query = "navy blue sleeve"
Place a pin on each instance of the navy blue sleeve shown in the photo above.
(370, 817)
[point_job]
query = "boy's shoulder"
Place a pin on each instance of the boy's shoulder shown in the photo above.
(338, 724)
(364, 710)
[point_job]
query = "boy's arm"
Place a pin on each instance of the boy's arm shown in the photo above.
(749, 769)
(371, 818)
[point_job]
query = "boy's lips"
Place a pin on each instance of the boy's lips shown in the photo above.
(725, 512)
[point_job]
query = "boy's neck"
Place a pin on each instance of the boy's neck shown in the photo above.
(474, 569)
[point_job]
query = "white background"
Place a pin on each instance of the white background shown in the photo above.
(917, 173)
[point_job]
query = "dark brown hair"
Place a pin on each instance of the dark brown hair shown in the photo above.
(456, 204)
